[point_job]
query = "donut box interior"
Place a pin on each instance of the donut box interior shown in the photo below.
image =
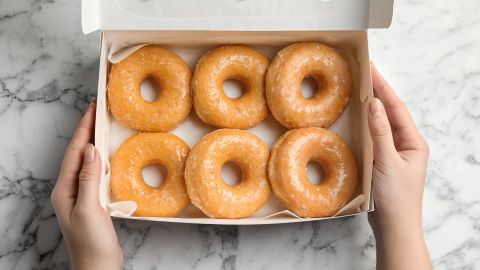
(190, 32)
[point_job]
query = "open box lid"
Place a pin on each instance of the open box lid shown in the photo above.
(258, 15)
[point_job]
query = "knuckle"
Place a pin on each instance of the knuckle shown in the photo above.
(86, 173)
(422, 145)
(381, 87)
(382, 131)
(73, 150)
(81, 213)
(425, 147)
(399, 105)
(54, 198)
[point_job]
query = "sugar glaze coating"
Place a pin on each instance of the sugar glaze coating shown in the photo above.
(126, 178)
(284, 79)
(287, 172)
(170, 76)
(236, 62)
(205, 186)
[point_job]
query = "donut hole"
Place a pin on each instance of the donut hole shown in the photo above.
(233, 88)
(231, 173)
(147, 90)
(154, 175)
(315, 172)
(309, 87)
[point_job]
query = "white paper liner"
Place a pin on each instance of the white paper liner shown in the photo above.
(193, 129)
(122, 209)
(120, 51)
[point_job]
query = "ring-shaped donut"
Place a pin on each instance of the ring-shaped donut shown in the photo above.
(170, 77)
(243, 64)
(287, 172)
(284, 79)
(127, 183)
(205, 186)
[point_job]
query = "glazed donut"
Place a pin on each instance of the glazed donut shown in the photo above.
(126, 178)
(287, 172)
(284, 79)
(203, 178)
(239, 63)
(170, 76)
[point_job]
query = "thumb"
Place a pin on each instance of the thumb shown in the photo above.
(380, 130)
(89, 177)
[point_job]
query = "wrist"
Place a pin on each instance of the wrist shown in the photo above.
(400, 242)
(396, 223)
(95, 266)
(84, 264)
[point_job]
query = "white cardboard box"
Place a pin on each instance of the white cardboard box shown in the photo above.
(190, 28)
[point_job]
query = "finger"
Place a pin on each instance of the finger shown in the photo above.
(89, 179)
(380, 131)
(371, 220)
(398, 114)
(67, 180)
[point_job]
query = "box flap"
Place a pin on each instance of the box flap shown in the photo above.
(235, 14)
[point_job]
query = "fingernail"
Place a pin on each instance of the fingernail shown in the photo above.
(93, 100)
(89, 154)
(375, 107)
(90, 106)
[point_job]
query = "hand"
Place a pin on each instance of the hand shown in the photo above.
(400, 156)
(86, 226)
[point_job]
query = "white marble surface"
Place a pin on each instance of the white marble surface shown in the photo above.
(48, 72)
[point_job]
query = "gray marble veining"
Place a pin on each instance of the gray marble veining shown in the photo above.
(48, 73)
